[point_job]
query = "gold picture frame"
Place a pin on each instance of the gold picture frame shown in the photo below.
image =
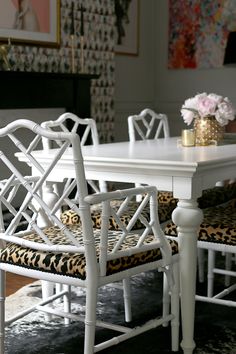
(127, 27)
(30, 21)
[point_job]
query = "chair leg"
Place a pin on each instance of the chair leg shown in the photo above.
(175, 305)
(2, 311)
(165, 299)
(200, 258)
(58, 288)
(67, 302)
(228, 265)
(210, 273)
(127, 299)
(47, 291)
(90, 319)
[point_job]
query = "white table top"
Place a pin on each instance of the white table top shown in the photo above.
(162, 151)
(163, 157)
(160, 162)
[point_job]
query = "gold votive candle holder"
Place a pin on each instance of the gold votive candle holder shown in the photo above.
(188, 137)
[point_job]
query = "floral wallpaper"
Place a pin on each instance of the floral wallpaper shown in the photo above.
(99, 24)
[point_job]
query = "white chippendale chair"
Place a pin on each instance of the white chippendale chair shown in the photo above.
(151, 125)
(72, 254)
(87, 129)
(148, 125)
(89, 135)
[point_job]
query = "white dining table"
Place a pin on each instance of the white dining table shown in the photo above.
(186, 171)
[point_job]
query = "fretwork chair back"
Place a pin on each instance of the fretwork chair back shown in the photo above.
(72, 254)
(217, 235)
(151, 125)
(148, 125)
(87, 130)
(69, 122)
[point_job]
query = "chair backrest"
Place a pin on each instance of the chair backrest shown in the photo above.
(24, 209)
(87, 130)
(148, 125)
(45, 169)
(69, 122)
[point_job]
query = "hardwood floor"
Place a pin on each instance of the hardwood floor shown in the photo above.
(15, 282)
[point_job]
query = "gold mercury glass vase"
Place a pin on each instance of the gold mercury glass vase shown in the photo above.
(208, 131)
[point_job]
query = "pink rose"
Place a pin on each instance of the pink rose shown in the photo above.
(202, 105)
(187, 115)
(225, 113)
(215, 98)
(206, 106)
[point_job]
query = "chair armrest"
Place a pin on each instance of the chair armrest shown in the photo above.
(119, 194)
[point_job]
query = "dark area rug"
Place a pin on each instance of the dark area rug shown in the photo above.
(215, 326)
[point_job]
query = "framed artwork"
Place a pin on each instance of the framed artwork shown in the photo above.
(198, 33)
(30, 21)
(127, 27)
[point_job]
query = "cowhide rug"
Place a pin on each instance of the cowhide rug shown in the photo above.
(215, 328)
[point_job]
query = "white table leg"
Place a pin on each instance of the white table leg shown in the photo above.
(187, 216)
(50, 197)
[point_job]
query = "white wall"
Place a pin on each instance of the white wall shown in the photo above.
(134, 75)
(37, 115)
(145, 80)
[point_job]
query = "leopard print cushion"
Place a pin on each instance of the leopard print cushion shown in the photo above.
(166, 204)
(217, 195)
(70, 217)
(218, 226)
(210, 197)
(165, 197)
(74, 264)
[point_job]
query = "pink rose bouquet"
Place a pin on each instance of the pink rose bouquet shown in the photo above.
(205, 105)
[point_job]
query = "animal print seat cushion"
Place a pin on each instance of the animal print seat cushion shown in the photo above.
(74, 264)
(217, 195)
(70, 217)
(166, 204)
(166, 197)
(218, 226)
(210, 197)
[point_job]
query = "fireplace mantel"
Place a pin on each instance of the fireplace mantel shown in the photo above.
(46, 90)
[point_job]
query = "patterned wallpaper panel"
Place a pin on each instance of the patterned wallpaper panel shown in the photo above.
(99, 21)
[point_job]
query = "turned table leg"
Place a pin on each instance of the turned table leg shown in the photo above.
(187, 216)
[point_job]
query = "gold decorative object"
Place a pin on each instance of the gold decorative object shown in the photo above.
(188, 137)
(208, 131)
(4, 50)
(210, 114)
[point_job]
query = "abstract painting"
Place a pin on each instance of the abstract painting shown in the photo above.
(199, 31)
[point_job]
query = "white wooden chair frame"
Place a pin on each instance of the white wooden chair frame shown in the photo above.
(211, 297)
(88, 136)
(148, 125)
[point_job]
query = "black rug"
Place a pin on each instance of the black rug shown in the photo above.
(215, 327)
